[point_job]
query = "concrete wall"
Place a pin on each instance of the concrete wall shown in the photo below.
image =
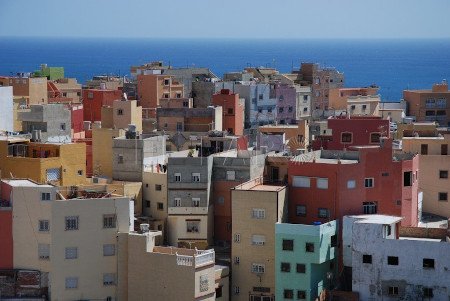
(102, 152)
(6, 113)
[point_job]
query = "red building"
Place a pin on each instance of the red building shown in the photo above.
(353, 131)
(77, 114)
(326, 185)
(94, 99)
(233, 111)
(6, 236)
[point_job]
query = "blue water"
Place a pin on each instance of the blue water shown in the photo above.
(394, 65)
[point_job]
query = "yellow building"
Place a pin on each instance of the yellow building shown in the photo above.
(150, 272)
(256, 207)
(60, 164)
(102, 153)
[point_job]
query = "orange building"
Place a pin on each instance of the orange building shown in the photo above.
(430, 105)
(153, 87)
(338, 96)
(233, 111)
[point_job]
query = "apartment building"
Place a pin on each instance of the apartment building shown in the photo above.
(434, 167)
(338, 97)
(256, 208)
(154, 194)
(121, 114)
(305, 260)
(303, 102)
(389, 262)
(233, 109)
(296, 137)
(102, 150)
(147, 271)
(32, 89)
(64, 90)
(429, 105)
(7, 111)
(95, 99)
(189, 119)
(363, 105)
(286, 96)
(190, 208)
(326, 185)
(63, 164)
(49, 122)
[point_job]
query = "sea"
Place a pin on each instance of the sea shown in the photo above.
(393, 65)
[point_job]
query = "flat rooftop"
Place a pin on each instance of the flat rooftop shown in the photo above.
(377, 219)
(257, 184)
(328, 157)
(24, 183)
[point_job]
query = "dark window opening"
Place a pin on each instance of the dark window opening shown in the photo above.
(428, 263)
(392, 260)
(367, 258)
(288, 245)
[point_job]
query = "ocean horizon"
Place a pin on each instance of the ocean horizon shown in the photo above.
(394, 65)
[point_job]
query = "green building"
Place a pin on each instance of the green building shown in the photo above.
(51, 73)
(305, 260)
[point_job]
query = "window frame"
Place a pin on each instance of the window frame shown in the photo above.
(75, 223)
(109, 221)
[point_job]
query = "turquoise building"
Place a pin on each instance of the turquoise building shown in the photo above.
(305, 260)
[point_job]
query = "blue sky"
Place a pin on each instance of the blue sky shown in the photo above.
(226, 18)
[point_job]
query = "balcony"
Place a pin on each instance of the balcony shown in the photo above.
(198, 259)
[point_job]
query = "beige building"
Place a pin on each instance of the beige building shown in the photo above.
(434, 168)
(154, 183)
(150, 272)
(394, 115)
(33, 89)
(420, 128)
(256, 207)
(64, 89)
(121, 114)
(363, 105)
(102, 153)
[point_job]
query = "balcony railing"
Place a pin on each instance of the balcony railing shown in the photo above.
(200, 258)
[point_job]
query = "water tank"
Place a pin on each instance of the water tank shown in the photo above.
(132, 128)
(145, 228)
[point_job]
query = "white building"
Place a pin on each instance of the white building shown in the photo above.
(6, 111)
(386, 266)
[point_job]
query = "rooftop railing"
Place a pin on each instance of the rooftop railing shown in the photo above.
(200, 258)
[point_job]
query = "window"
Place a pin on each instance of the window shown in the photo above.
(195, 202)
(333, 241)
(219, 293)
(45, 196)
(364, 107)
(160, 206)
(44, 251)
(375, 137)
(237, 260)
(178, 95)
(71, 253)
(109, 250)
(259, 213)
(147, 204)
(305, 97)
(177, 177)
(393, 291)
(352, 107)
(236, 290)
(177, 202)
(301, 295)
(166, 81)
(280, 110)
(301, 182)
(369, 182)
(166, 95)
(392, 260)
(367, 259)
(269, 110)
(258, 268)
(80, 172)
(301, 268)
(369, 207)
(444, 149)
(443, 196)
(288, 294)
(231, 175)
(44, 225)
(195, 177)
(62, 127)
(158, 187)
(407, 178)
(351, 184)
(290, 109)
(385, 174)
(324, 213)
(119, 112)
(285, 267)
(261, 96)
(258, 240)
(301, 210)
(179, 126)
(193, 226)
(120, 159)
(346, 137)
(204, 283)
(185, 104)
(424, 149)
(109, 279)
(230, 111)
(428, 292)
(90, 95)
(305, 110)
(71, 282)
(288, 245)
(443, 174)
(71, 222)
(109, 221)
(237, 237)
(428, 263)
(309, 247)
(322, 183)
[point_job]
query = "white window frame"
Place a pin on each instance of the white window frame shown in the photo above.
(323, 210)
(231, 175)
(301, 182)
(258, 213)
(44, 225)
(71, 282)
(258, 240)
(71, 253)
(46, 196)
(195, 202)
(204, 283)
(193, 229)
(368, 181)
(177, 177)
(370, 206)
(237, 237)
(177, 202)
(109, 279)
(195, 177)
(74, 223)
(258, 268)
(109, 221)
(109, 250)
(237, 259)
(44, 251)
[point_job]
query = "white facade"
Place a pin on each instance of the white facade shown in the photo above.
(6, 109)
(388, 267)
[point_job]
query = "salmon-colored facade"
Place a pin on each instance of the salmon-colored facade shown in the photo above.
(233, 111)
(338, 96)
(364, 181)
(94, 99)
(6, 236)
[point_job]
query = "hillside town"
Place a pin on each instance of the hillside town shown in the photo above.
(176, 184)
